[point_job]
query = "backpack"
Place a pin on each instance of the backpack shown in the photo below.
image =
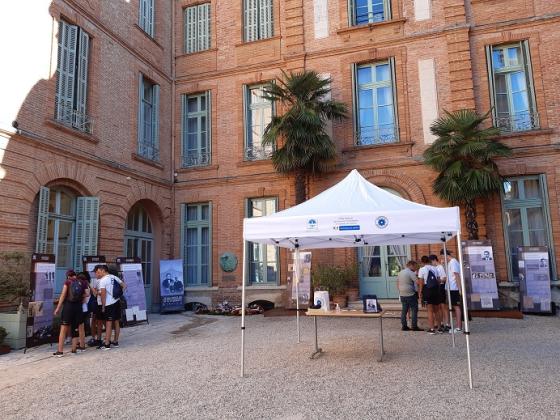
(431, 281)
(75, 291)
(117, 289)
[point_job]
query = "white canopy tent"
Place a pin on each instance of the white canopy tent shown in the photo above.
(353, 213)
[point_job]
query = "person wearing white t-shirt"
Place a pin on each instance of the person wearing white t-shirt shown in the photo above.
(429, 295)
(106, 301)
(442, 310)
(454, 279)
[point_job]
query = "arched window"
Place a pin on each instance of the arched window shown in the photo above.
(139, 240)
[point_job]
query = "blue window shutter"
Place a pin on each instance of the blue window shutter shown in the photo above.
(393, 67)
(81, 94)
(155, 123)
(265, 21)
(184, 239)
(42, 221)
(208, 144)
(203, 27)
(490, 68)
(87, 228)
(190, 29)
(150, 18)
(251, 20)
(140, 113)
(66, 73)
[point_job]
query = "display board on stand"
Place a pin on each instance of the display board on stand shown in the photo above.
(171, 285)
(534, 279)
(480, 275)
(135, 293)
(304, 287)
(90, 261)
(41, 307)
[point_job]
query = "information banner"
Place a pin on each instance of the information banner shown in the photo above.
(480, 275)
(304, 287)
(41, 307)
(534, 279)
(171, 285)
(135, 293)
(89, 262)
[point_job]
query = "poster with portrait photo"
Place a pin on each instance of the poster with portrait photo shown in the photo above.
(480, 275)
(534, 279)
(172, 287)
(371, 304)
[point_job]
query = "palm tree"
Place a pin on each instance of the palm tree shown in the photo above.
(306, 147)
(464, 155)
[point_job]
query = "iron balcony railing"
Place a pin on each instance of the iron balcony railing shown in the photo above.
(376, 135)
(258, 152)
(196, 159)
(521, 121)
(148, 151)
(68, 116)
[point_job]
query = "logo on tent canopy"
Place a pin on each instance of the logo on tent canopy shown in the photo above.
(312, 224)
(381, 222)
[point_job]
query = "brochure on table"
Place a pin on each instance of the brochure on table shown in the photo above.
(480, 275)
(41, 307)
(534, 279)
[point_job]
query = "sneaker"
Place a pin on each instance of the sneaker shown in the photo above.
(100, 346)
(441, 330)
(115, 343)
(447, 328)
(74, 352)
(405, 328)
(81, 349)
(106, 347)
(58, 354)
(456, 331)
(416, 329)
(431, 331)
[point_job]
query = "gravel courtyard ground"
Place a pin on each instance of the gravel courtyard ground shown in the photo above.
(187, 366)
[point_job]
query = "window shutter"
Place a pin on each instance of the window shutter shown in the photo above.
(530, 84)
(67, 43)
(387, 9)
(87, 226)
(184, 129)
(203, 27)
(140, 113)
(190, 29)
(246, 112)
(142, 15)
(81, 94)
(150, 17)
(394, 91)
(184, 239)
(208, 145)
(491, 85)
(351, 8)
(355, 110)
(42, 221)
(251, 13)
(265, 10)
(155, 123)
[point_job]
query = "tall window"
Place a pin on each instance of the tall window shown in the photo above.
(374, 95)
(196, 243)
(72, 77)
(148, 119)
(258, 114)
(369, 11)
(146, 16)
(511, 85)
(262, 259)
(526, 221)
(258, 19)
(139, 239)
(197, 28)
(196, 130)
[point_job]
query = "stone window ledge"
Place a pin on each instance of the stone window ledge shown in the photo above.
(371, 26)
(263, 287)
(70, 130)
(147, 161)
(196, 168)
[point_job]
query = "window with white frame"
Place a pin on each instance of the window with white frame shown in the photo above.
(258, 114)
(72, 77)
(511, 85)
(526, 218)
(262, 259)
(197, 246)
(146, 16)
(197, 28)
(369, 11)
(196, 130)
(258, 22)
(148, 119)
(375, 112)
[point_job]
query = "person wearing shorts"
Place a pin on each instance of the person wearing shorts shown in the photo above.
(430, 296)
(109, 310)
(70, 317)
(454, 279)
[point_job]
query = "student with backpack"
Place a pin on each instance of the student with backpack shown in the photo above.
(117, 291)
(429, 292)
(71, 303)
(108, 296)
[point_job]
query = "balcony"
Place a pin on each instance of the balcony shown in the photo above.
(258, 152)
(72, 118)
(194, 159)
(148, 151)
(369, 136)
(521, 121)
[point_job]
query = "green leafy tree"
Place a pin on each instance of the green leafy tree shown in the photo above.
(464, 155)
(305, 148)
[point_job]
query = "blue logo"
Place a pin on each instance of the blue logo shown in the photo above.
(381, 222)
(312, 224)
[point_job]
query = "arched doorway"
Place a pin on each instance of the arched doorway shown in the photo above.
(380, 265)
(139, 242)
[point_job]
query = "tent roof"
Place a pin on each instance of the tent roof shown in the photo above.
(354, 213)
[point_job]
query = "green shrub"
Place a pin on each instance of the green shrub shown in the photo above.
(330, 277)
(14, 276)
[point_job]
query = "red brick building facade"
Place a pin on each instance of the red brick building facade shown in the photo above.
(195, 167)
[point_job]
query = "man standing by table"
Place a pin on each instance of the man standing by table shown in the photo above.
(406, 283)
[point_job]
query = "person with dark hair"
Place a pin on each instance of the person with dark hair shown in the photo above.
(429, 292)
(454, 279)
(71, 303)
(406, 283)
(113, 272)
(85, 280)
(443, 315)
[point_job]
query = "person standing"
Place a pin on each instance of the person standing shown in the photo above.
(70, 302)
(406, 281)
(443, 315)
(82, 277)
(454, 279)
(105, 300)
(429, 292)
(118, 305)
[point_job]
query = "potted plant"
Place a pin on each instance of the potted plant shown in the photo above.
(4, 348)
(334, 279)
(351, 272)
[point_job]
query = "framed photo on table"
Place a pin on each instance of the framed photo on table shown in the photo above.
(371, 305)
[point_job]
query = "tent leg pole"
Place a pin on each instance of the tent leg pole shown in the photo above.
(243, 279)
(465, 309)
(296, 278)
(447, 290)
